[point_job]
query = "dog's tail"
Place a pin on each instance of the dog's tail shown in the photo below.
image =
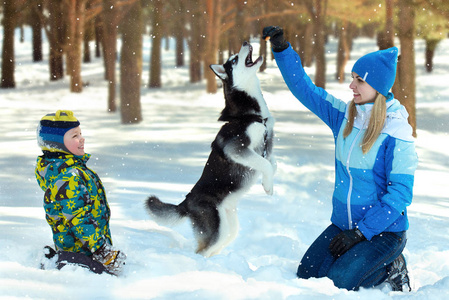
(164, 213)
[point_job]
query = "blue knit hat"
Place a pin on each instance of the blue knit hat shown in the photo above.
(51, 130)
(378, 69)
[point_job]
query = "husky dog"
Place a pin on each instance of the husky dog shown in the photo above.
(241, 151)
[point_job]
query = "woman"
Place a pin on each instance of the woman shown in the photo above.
(375, 161)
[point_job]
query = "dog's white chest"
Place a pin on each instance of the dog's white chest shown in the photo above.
(257, 133)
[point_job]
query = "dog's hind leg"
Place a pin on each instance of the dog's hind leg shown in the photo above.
(227, 231)
(206, 223)
(233, 221)
(230, 218)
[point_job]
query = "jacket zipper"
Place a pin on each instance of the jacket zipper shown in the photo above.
(348, 200)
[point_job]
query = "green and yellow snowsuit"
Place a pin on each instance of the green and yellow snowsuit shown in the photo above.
(75, 203)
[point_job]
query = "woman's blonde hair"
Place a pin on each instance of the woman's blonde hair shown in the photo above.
(376, 122)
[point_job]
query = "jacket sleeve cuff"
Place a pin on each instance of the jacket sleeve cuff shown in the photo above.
(283, 52)
(365, 231)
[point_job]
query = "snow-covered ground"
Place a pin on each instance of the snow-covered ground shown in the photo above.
(165, 154)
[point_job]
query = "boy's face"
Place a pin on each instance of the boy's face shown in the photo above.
(74, 141)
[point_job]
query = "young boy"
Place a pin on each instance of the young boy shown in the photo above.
(75, 200)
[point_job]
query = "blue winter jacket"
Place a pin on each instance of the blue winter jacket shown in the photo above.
(371, 190)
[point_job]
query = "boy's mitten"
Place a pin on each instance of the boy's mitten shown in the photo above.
(276, 36)
(113, 260)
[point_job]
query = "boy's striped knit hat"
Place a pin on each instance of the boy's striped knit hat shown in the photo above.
(378, 69)
(51, 130)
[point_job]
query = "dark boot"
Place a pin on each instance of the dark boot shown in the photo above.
(79, 259)
(398, 275)
(48, 260)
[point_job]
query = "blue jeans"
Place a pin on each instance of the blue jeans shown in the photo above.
(364, 265)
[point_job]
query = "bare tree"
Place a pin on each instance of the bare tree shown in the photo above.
(89, 32)
(9, 17)
(36, 25)
(405, 86)
(179, 33)
(98, 35)
(344, 48)
(305, 40)
(195, 17)
(110, 17)
(385, 37)
(317, 10)
(431, 45)
(213, 9)
(435, 31)
(75, 18)
(155, 56)
(55, 35)
(131, 65)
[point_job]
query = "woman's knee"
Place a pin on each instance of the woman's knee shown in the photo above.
(317, 259)
(304, 271)
(344, 279)
(315, 266)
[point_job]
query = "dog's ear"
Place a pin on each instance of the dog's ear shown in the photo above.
(220, 71)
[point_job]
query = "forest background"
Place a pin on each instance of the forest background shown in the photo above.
(164, 150)
(209, 28)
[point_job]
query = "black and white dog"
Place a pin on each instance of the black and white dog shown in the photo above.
(241, 151)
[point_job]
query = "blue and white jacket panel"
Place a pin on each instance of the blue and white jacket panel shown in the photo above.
(372, 190)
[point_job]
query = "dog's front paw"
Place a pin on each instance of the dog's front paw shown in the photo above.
(268, 185)
(274, 164)
(269, 192)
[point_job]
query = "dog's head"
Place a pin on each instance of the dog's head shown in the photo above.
(241, 86)
(240, 70)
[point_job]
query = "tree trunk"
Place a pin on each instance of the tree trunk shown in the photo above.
(320, 43)
(109, 40)
(86, 50)
(405, 91)
(343, 50)
(307, 46)
(221, 52)
(431, 45)
(349, 38)
(75, 18)
(179, 36)
(131, 65)
(36, 25)
(196, 40)
(243, 27)
(56, 39)
(179, 49)
(98, 35)
(213, 9)
(155, 56)
(239, 32)
(9, 17)
(167, 41)
(385, 39)
(22, 34)
(263, 51)
(88, 36)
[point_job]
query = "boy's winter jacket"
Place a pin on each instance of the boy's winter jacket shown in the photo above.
(75, 203)
(371, 190)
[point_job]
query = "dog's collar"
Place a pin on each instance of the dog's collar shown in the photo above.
(246, 118)
(260, 120)
(264, 121)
